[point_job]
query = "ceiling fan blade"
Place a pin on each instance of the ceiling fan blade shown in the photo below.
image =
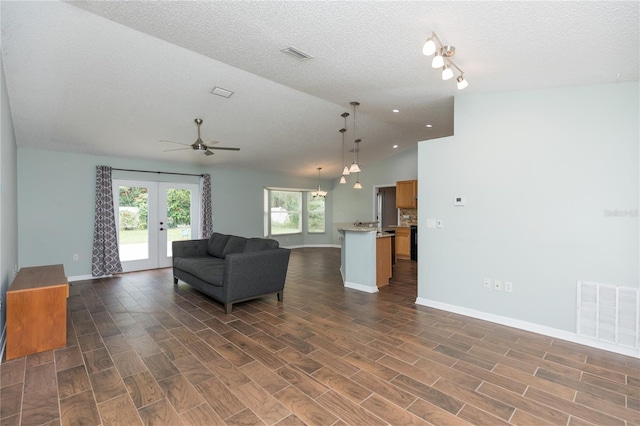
(207, 153)
(177, 143)
(224, 148)
(177, 149)
(211, 142)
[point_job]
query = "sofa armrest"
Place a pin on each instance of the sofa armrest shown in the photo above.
(189, 248)
(255, 273)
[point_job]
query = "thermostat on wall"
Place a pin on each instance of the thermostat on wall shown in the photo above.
(459, 201)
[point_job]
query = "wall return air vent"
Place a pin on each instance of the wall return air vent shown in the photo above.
(296, 53)
(609, 313)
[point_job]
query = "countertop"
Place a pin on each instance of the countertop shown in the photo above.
(351, 227)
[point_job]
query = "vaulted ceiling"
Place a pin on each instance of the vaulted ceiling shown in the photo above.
(114, 78)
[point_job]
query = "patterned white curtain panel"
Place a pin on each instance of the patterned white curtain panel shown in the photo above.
(106, 259)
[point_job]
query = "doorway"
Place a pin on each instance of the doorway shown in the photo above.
(386, 211)
(150, 216)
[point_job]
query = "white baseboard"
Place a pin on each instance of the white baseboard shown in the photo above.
(81, 278)
(529, 326)
(365, 288)
(86, 277)
(91, 277)
(312, 245)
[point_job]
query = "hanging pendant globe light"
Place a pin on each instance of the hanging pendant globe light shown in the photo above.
(345, 170)
(355, 168)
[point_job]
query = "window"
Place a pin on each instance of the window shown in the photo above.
(285, 209)
(315, 214)
(284, 212)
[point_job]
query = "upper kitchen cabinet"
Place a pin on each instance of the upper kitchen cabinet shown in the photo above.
(407, 194)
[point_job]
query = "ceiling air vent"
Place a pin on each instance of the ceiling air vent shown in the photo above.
(296, 53)
(222, 92)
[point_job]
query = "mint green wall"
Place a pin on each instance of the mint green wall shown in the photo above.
(359, 204)
(539, 170)
(57, 195)
(8, 201)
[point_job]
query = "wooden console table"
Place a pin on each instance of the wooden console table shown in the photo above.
(37, 310)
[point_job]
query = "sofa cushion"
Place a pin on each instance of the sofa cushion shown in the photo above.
(208, 269)
(216, 244)
(235, 245)
(259, 244)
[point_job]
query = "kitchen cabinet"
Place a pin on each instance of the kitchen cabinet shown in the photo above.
(407, 194)
(403, 243)
(383, 261)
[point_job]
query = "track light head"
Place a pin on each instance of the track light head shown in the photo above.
(447, 72)
(429, 47)
(438, 61)
(462, 83)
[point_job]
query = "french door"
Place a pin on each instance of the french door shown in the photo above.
(150, 216)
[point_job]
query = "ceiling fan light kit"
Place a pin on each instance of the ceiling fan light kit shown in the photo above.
(442, 59)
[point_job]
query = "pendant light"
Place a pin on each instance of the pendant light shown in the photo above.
(357, 185)
(355, 168)
(319, 192)
(345, 171)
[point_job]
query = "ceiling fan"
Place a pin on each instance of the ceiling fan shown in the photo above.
(199, 145)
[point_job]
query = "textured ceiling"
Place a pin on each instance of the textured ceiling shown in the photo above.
(114, 78)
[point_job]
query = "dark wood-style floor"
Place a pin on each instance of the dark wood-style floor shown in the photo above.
(141, 351)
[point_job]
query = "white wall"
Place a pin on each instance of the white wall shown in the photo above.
(539, 170)
(57, 196)
(8, 201)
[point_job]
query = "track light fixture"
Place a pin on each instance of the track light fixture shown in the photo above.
(442, 59)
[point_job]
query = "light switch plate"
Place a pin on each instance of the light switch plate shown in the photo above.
(431, 223)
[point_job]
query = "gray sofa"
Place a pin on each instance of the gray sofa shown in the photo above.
(230, 268)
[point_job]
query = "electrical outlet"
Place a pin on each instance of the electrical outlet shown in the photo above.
(508, 286)
(497, 285)
(486, 283)
(75, 256)
(438, 223)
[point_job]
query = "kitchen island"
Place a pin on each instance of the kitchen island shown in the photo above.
(365, 257)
